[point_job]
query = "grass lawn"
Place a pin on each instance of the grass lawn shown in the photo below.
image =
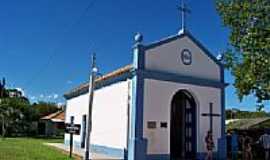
(30, 149)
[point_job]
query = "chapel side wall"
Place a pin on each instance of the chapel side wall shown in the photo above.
(109, 125)
(77, 107)
(167, 58)
(157, 105)
(111, 116)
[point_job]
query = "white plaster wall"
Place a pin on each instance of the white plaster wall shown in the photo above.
(109, 115)
(167, 58)
(157, 105)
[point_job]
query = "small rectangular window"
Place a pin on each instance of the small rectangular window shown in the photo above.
(163, 125)
(72, 119)
(151, 124)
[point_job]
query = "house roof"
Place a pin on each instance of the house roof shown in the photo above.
(55, 117)
(243, 124)
(85, 86)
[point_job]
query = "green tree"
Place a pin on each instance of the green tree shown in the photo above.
(249, 57)
(45, 108)
(10, 116)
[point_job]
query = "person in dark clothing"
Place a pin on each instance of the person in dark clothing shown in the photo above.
(229, 145)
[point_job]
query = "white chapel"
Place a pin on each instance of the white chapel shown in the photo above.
(159, 107)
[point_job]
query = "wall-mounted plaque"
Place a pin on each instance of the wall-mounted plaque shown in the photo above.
(151, 125)
(163, 124)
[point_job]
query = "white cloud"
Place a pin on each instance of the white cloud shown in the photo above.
(59, 104)
(41, 96)
(33, 97)
(55, 96)
(21, 90)
(69, 82)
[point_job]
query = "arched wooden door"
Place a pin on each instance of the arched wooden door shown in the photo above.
(183, 127)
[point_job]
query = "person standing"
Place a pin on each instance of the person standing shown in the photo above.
(247, 149)
(210, 145)
(265, 141)
(229, 144)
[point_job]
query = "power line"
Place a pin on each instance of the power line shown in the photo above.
(53, 54)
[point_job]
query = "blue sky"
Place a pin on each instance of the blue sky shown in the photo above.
(46, 45)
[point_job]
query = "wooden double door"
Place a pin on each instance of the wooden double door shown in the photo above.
(183, 127)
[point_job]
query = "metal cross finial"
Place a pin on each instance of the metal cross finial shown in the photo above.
(184, 10)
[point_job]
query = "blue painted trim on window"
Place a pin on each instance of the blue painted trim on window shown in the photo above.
(172, 77)
(188, 34)
(137, 144)
(158, 157)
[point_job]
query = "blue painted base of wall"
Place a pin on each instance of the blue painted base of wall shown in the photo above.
(104, 150)
(112, 152)
(199, 156)
(122, 153)
(158, 157)
(137, 149)
(222, 148)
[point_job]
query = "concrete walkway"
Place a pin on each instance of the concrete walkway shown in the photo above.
(80, 152)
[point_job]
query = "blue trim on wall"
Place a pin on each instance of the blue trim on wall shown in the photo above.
(137, 144)
(76, 144)
(222, 146)
(172, 77)
(205, 50)
(200, 156)
(158, 157)
(163, 41)
(109, 151)
(104, 150)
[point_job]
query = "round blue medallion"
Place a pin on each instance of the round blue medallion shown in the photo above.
(186, 57)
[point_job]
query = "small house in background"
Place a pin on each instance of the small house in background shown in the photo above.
(15, 93)
(52, 124)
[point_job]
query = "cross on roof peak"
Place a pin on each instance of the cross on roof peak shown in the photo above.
(184, 10)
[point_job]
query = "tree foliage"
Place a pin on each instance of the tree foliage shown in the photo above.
(237, 114)
(45, 108)
(249, 57)
(17, 115)
(12, 115)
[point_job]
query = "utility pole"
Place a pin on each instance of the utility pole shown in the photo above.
(93, 75)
